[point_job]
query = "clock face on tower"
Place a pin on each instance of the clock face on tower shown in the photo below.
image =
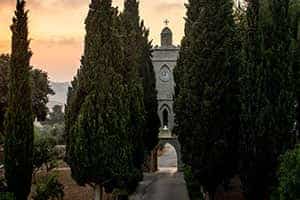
(164, 74)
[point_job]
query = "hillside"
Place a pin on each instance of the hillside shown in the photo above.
(60, 97)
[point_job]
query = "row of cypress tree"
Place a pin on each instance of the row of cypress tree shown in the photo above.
(236, 79)
(111, 121)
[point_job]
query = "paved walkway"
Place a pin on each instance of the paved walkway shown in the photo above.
(167, 184)
(162, 186)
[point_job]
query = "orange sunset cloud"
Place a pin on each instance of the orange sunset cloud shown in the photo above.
(57, 30)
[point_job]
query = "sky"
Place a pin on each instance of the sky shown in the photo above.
(57, 30)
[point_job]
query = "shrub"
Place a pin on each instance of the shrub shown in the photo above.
(48, 187)
(193, 185)
(289, 176)
(6, 196)
(44, 154)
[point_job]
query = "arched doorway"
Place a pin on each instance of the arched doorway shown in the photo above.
(167, 159)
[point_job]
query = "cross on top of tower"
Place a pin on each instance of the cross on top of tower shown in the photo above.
(166, 22)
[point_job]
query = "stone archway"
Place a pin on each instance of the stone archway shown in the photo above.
(175, 143)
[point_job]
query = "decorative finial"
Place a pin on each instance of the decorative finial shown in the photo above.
(166, 22)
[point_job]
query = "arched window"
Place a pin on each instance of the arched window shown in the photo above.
(165, 118)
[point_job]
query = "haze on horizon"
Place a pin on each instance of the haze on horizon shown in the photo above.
(57, 30)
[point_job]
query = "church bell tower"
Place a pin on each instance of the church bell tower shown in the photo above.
(166, 37)
(164, 58)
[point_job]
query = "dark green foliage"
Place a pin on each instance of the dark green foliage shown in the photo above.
(97, 112)
(295, 31)
(183, 105)
(58, 133)
(132, 35)
(139, 76)
(297, 84)
(193, 185)
(54, 125)
(19, 116)
(138, 56)
(55, 117)
(152, 122)
(289, 175)
(40, 90)
(206, 95)
(4, 66)
(266, 95)
(44, 154)
(45, 160)
(48, 188)
(7, 196)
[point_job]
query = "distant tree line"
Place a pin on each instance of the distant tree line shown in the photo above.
(40, 90)
(237, 81)
(54, 125)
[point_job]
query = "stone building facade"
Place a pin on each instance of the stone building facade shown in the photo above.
(164, 58)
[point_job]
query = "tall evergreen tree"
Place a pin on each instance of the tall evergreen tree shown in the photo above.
(99, 151)
(207, 75)
(131, 38)
(146, 70)
(183, 105)
(295, 30)
(249, 77)
(141, 73)
(296, 70)
(19, 116)
(141, 94)
(4, 60)
(266, 95)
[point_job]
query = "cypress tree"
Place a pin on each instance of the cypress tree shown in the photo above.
(4, 66)
(249, 76)
(295, 30)
(296, 70)
(207, 92)
(19, 116)
(99, 151)
(267, 95)
(131, 37)
(130, 32)
(146, 71)
(152, 121)
(183, 105)
(138, 62)
(139, 76)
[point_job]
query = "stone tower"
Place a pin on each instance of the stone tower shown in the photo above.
(164, 59)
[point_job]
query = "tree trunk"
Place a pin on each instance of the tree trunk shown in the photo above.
(98, 192)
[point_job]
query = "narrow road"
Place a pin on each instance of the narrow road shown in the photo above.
(166, 184)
